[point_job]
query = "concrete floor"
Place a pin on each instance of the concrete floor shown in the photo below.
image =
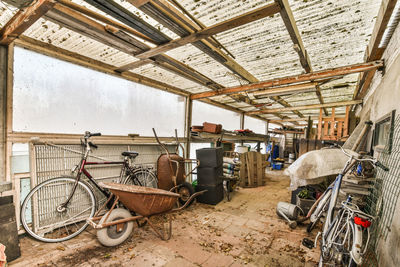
(245, 231)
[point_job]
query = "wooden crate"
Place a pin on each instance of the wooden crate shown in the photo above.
(252, 169)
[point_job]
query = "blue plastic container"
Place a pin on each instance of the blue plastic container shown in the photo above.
(277, 165)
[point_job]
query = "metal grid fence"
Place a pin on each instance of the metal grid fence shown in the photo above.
(382, 200)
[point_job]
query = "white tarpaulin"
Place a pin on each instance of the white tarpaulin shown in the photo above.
(314, 166)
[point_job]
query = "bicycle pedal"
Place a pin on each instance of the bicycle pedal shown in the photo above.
(308, 243)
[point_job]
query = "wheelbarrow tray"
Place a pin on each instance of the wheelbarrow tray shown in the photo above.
(145, 201)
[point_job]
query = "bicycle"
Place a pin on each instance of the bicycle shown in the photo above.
(56, 209)
(342, 235)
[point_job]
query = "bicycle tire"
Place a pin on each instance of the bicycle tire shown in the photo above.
(141, 177)
(47, 224)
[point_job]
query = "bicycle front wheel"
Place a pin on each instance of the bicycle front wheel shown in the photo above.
(141, 177)
(45, 219)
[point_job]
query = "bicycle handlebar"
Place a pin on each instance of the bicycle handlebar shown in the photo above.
(95, 134)
(380, 165)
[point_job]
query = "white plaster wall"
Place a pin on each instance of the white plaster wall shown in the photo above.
(203, 112)
(257, 126)
(384, 97)
(55, 96)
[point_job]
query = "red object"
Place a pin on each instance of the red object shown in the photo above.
(212, 128)
(318, 195)
(363, 222)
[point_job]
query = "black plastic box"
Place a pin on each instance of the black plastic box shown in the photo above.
(214, 194)
(210, 157)
(210, 176)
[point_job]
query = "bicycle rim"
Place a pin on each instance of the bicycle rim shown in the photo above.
(142, 178)
(39, 215)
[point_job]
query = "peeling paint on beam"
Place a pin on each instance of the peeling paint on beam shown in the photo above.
(294, 79)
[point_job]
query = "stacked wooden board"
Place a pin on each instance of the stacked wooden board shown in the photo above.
(252, 169)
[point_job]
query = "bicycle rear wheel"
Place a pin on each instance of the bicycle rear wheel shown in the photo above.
(44, 219)
(141, 177)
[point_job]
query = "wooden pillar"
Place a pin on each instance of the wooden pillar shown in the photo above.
(320, 124)
(332, 133)
(346, 122)
(188, 124)
(6, 85)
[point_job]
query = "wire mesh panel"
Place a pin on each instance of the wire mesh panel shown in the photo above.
(384, 195)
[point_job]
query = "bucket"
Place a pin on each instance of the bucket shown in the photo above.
(291, 157)
(290, 210)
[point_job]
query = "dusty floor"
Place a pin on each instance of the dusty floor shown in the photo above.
(245, 231)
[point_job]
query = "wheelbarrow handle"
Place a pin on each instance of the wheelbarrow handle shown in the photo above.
(189, 200)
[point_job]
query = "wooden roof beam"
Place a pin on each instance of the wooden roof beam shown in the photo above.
(290, 23)
(313, 76)
(243, 19)
(23, 19)
(374, 52)
(306, 107)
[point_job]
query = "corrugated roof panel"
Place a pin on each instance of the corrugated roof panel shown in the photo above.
(6, 13)
(49, 32)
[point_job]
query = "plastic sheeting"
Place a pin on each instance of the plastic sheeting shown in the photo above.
(313, 167)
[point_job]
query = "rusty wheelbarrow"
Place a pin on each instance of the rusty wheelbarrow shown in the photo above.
(116, 225)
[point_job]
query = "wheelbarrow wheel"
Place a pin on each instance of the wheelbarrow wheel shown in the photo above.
(115, 234)
(185, 190)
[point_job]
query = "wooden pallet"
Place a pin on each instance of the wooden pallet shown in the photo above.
(252, 169)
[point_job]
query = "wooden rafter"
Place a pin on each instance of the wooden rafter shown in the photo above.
(23, 19)
(251, 16)
(291, 26)
(294, 79)
(373, 51)
(307, 107)
(173, 19)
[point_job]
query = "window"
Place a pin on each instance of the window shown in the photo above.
(384, 131)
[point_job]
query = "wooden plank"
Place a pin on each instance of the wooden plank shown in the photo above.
(259, 169)
(9, 110)
(346, 122)
(134, 65)
(306, 107)
(319, 134)
(333, 122)
(243, 19)
(373, 51)
(290, 23)
(326, 127)
(339, 130)
(294, 79)
(296, 88)
(23, 19)
(188, 124)
(243, 170)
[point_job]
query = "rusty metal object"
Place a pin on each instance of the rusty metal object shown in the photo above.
(145, 201)
(170, 167)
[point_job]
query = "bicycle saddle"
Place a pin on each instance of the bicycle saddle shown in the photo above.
(131, 154)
